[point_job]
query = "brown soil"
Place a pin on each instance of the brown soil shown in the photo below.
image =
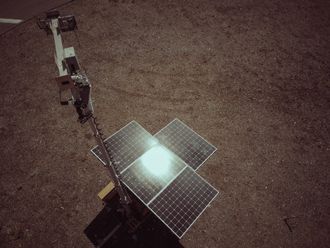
(250, 76)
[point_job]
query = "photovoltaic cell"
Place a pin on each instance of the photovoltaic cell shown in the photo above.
(185, 143)
(183, 201)
(127, 145)
(149, 174)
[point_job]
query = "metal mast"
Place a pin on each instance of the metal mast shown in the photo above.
(72, 78)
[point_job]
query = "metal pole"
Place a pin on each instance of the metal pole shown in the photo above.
(59, 51)
(124, 197)
(54, 25)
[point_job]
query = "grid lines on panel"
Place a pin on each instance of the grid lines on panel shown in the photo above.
(183, 200)
(149, 174)
(186, 143)
(127, 145)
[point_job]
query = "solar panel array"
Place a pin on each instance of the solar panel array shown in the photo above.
(155, 169)
(186, 143)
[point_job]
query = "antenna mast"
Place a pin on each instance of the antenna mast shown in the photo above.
(72, 78)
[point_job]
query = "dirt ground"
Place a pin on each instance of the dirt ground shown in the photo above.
(250, 76)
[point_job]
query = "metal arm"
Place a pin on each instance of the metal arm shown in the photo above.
(73, 79)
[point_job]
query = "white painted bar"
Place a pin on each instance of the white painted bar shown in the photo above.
(10, 21)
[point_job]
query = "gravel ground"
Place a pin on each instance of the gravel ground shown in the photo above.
(250, 76)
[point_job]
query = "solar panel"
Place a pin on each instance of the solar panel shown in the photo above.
(149, 174)
(187, 144)
(183, 201)
(155, 169)
(127, 145)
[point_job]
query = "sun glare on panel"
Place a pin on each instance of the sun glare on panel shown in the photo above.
(157, 161)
